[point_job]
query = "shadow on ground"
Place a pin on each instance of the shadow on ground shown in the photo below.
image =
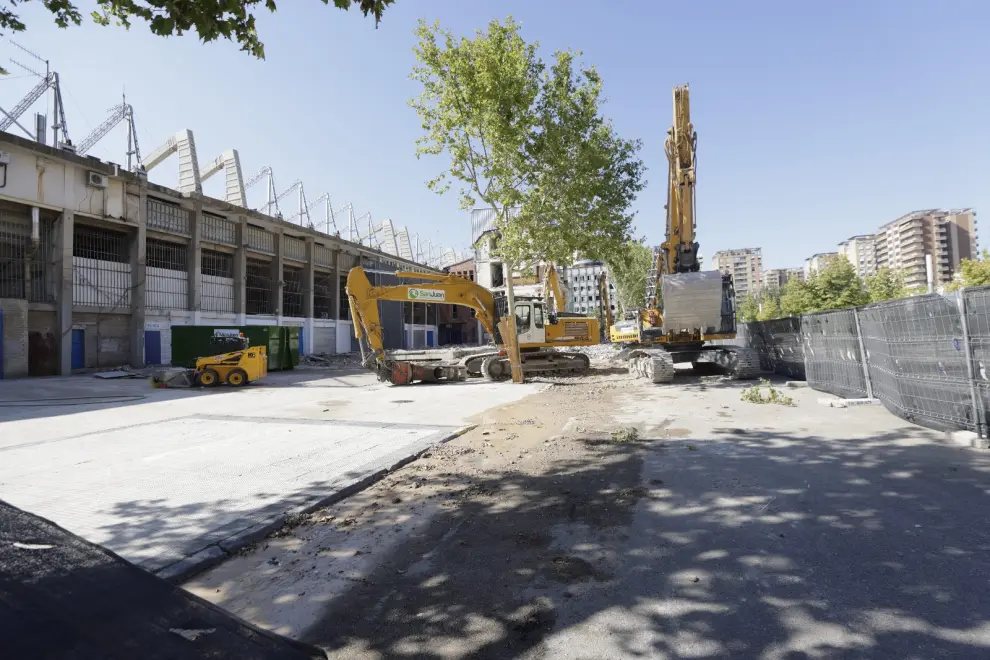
(746, 545)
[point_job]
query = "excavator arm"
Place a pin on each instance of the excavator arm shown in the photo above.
(363, 299)
(553, 286)
(679, 252)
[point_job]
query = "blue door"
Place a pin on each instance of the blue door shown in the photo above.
(1, 344)
(302, 337)
(152, 347)
(429, 339)
(78, 349)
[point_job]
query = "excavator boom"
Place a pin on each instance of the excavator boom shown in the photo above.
(680, 250)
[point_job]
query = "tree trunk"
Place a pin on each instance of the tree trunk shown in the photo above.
(515, 362)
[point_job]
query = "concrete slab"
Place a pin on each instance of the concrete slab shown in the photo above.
(163, 476)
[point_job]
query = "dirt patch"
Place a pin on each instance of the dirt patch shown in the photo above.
(454, 545)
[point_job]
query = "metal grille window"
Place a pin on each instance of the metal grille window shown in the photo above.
(166, 275)
(323, 285)
(260, 298)
(292, 291)
(219, 229)
(218, 281)
(167, 216)
(15, 232)
(260, 240)
(345, 309)
(101, 269)
(294, 248)
(44, 263)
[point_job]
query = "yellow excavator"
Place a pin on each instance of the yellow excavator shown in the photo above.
(541, 333)
(684, 308)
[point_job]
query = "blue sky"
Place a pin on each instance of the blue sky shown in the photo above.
(815, 120)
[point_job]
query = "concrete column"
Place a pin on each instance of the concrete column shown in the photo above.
(309, 291)
(336, 288)
(63, 294)
(277, 274)
(195, 259)
(240, 271)
(138, 272)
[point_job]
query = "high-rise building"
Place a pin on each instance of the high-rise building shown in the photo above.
(746, 267)
(580, 282)
(776, 278)
(816, 262)
(861, 253)
(942, 236)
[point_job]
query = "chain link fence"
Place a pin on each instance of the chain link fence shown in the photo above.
(925, 358)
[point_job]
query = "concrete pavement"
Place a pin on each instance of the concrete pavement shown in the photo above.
(173, 480)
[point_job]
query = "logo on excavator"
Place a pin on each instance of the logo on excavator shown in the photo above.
(427, 295)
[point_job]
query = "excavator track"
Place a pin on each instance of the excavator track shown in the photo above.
(495, 367)
(655, 365)
(740, 363)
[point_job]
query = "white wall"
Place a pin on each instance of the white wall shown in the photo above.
(221, 293)
(98, 283)
(345, 332)
(166, 289)
(35, 178)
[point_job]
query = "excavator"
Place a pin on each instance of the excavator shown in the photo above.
(541, 332)
(684, 308)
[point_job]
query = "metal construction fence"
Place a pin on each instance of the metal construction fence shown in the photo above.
(926, 358)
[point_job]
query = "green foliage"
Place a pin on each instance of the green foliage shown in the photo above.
(755, 395)
(838, 286)
(232, 20)
(629, 269)
(886, 284)
(974, 272)
(835, 286)
(748, 309)
(770, 305)
(528, 141)
(798, 297)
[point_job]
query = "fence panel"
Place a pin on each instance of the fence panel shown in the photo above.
(978, 326)
(832, 358)
(916, 359)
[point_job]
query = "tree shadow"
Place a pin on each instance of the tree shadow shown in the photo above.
(760, 544)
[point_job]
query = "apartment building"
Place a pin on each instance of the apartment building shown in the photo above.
(860, 251)
(580, 281)
(816, 262)
(943, 237)
(746, 267)
(776, 278)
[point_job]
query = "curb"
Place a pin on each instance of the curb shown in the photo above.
(218, 551)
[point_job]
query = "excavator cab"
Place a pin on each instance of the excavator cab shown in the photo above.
(531, 322)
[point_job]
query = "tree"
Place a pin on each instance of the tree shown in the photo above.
(528, 141)
(972, 272)
(210, 19)
(799, 297)
(748, 309)
(837, 286)
(769, 300)
(629, 270)
(886, 284)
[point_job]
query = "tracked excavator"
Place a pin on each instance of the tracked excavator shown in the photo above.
(541, 332)
(684, 308)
